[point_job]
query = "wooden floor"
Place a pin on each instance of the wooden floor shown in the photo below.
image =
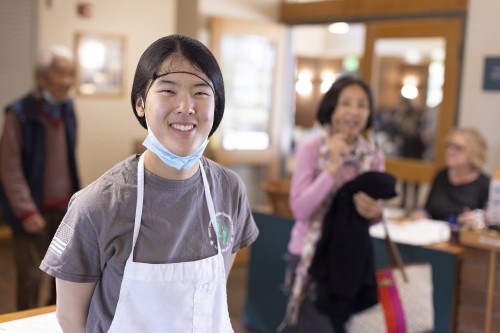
(236, 287)
(7, 278)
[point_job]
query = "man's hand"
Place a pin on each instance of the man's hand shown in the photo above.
(34, 224)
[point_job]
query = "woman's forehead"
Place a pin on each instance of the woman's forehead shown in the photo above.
(458, 136)
(179, 64)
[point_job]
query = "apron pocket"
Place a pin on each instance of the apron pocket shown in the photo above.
(203, 307)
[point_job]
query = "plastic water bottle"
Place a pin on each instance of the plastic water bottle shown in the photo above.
(493, 211)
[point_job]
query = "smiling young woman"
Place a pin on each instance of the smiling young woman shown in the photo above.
(148, 246)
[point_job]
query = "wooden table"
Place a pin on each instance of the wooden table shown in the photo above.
(266, 302)
(26, 313)
(479, 307)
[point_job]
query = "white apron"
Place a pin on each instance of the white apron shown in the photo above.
(172, 298)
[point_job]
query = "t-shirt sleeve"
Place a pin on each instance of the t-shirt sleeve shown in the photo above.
(73, 254)
(246, 231)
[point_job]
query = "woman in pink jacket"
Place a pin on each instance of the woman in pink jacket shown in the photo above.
(323, 164)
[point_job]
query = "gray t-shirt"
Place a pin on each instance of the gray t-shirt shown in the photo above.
(94, 239)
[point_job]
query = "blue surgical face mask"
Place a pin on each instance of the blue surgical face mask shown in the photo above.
(170, 159)
(53, 108)
(51, 99)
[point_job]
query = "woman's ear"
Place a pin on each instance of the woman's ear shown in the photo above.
(139, 107)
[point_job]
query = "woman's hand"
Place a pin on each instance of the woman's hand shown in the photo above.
(418, 215)
(471, 218)
(338, 148)
(366, 206)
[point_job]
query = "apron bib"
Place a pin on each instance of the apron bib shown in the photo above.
(172, 298)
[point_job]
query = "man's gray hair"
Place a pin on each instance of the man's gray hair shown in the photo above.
(46, 56)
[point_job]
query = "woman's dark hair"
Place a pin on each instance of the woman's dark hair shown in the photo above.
(188, 48)
(329, 102)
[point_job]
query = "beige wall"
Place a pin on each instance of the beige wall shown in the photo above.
(107, 126)
(479, 108)
(254, 10)
(261, 11)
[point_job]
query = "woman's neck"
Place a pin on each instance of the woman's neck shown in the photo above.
(462, 175)
(156, 166)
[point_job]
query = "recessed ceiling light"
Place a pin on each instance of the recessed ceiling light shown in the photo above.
(338, 28)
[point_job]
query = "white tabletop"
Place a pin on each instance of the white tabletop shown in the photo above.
(44, 323)
(419, 232)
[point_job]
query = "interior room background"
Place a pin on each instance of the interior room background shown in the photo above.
(108, 129)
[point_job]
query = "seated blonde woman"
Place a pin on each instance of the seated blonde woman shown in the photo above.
(460, 190)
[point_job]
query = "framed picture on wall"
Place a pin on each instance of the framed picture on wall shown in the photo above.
(99, 64)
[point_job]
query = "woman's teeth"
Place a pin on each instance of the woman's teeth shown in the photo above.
(183, 128)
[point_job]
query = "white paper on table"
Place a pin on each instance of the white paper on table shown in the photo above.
(419, 232)
(44, 323)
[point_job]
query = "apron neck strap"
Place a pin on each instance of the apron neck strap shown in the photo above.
(210, 203)
(140, 202)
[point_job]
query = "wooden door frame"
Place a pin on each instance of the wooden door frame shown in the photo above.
(451, 30)
(449, 12)
(276, 34)
(366, 10)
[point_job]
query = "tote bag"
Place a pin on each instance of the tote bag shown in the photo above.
(405, 295)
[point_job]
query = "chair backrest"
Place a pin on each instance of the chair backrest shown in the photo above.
(266, 301)
(278, 193)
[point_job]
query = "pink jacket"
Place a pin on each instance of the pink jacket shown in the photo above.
(311, 188)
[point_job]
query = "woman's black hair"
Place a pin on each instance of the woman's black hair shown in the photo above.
(187, 48)
(329, 102)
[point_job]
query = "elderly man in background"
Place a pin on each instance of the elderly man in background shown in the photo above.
(38, 172)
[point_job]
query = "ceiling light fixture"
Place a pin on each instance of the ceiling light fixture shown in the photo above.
(339, 28)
